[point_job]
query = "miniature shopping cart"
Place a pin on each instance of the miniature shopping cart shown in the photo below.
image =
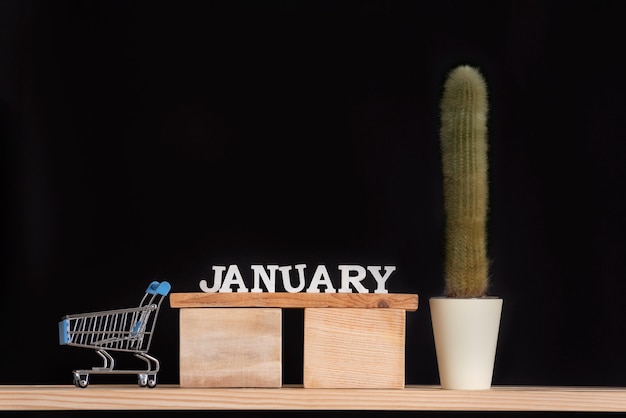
(128, 330)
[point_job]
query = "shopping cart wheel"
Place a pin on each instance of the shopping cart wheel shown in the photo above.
(144, 380)
(81, 381)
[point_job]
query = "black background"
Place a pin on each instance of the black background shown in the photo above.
(151, 140)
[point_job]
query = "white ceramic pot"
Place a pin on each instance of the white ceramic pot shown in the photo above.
(466, 335)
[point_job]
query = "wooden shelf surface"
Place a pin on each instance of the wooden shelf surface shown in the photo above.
(412, 398)
(404, 301)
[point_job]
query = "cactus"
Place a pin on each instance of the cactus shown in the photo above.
(464, 159)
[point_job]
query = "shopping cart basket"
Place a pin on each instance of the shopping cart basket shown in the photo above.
(128, 330)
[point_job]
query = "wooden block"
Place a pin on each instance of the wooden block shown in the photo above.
(354, 348)
(228, 348)
(295, 300)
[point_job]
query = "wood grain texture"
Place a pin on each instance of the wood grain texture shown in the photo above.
(404, 301)
(354, 348)
(229, 348)
(412, 398)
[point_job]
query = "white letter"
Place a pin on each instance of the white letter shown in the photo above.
(347, 279)
(217, 281)
(320, 277)
(233, 277)
(287, 279)
(381, 280)
(268, 280)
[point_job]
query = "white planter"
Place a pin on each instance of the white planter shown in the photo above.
(466, 335)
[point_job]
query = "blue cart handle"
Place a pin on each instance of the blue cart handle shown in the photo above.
(156, 288)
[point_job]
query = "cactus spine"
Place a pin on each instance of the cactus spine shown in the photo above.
(463, 135)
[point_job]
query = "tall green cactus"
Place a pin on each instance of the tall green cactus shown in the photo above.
(463, 134)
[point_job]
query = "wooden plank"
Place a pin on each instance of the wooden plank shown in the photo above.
(407, 302)
(230, 348)
(354, 348)
(412, 398)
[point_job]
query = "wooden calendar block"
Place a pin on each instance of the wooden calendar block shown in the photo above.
(354, 348)
(230, 347)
